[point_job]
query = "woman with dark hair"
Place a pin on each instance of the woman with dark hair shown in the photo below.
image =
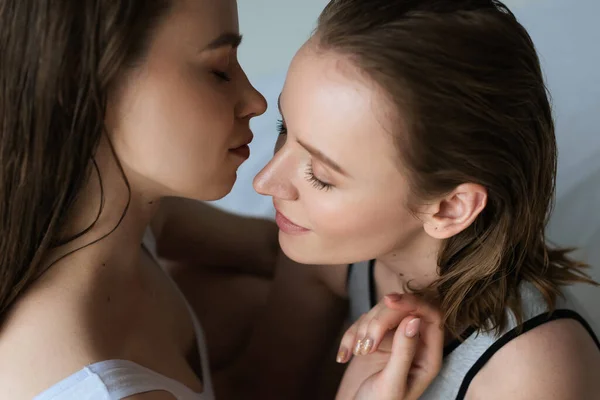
(105, 108)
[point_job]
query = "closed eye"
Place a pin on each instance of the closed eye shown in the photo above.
(316, 182)
(224, 76)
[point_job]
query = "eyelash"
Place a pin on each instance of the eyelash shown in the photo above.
(310, 176)
(316, 182)
(222, 75)
(281, 128)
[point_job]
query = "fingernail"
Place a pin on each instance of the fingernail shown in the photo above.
(341, 356)
(366, 347)
(394, 297)
(412, 328)
(357, 347)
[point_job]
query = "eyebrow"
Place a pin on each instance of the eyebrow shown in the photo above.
(224, 40)
(322, 157)
(314, 152)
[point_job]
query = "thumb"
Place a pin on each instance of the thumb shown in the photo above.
(404, 348)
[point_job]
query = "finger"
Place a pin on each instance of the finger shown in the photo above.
(372, 327)
(394, 308)
(417, 306)
(366, 342)
(428, 359)
(385, 320)
(429, 355)
(348, 344)
(404, 347)
(413, 305)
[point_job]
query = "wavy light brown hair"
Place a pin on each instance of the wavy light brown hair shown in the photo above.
(58, 61)
(467, 81)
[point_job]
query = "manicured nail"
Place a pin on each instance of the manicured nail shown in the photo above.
(394, 297)
(412, 328)
(366, 346)
(341, 356)
(357, 347)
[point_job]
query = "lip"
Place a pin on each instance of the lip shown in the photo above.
(242, 149)
(245, 142)
(287, 226)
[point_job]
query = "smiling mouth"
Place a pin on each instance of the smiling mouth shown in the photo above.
(287, 226)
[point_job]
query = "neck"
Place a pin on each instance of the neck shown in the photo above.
(413, 266)
(115, 237)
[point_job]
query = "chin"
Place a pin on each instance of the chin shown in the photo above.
(298, 257)
(308, 249)
(297, 249)
(215, 191)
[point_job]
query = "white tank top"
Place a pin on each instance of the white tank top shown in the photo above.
(118, 379)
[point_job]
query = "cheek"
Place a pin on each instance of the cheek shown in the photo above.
(175, 130)
(190, 115)
(343, 218)
(351, 228)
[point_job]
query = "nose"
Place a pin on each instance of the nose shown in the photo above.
(275, 179)
(252, 103)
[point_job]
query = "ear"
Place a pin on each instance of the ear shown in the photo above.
(456, 211)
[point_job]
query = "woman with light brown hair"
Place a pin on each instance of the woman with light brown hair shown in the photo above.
(417, 154)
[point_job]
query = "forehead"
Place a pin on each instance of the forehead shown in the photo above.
(199, 21)
(331, 104)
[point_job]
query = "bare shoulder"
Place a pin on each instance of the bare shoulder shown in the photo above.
(51, 333)
(557, 360)
(38, 348)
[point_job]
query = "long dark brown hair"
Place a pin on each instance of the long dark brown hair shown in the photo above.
(58, 60)
(468, 84)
